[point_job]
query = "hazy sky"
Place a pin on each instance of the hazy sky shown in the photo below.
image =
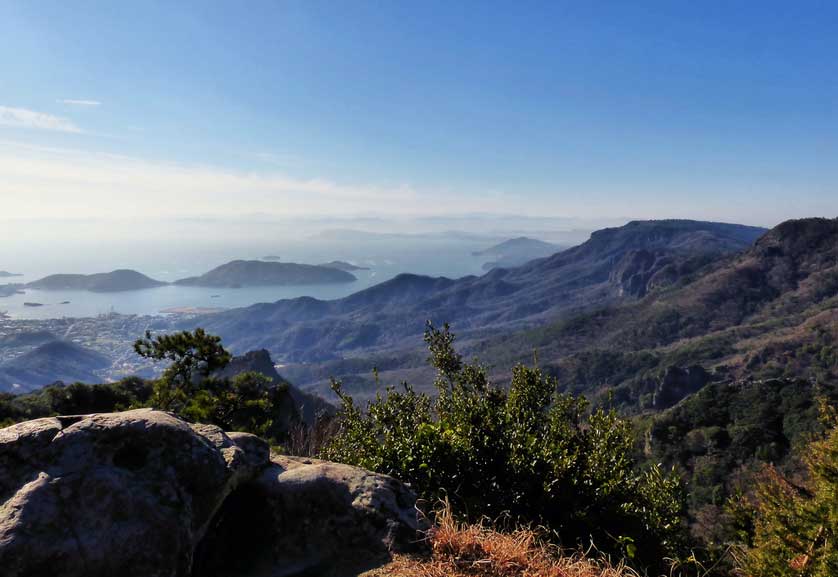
(722, 110)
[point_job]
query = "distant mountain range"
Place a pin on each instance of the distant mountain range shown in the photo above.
(660, 326)
(651, 312)
(515, 252)
(770, 311)
(613, 266)
(241, 273)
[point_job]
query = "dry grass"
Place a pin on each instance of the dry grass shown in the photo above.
(460, 550)
(309, 440)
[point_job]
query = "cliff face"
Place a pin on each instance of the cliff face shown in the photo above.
(144, 493)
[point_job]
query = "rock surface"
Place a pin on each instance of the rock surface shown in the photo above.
(143, 493)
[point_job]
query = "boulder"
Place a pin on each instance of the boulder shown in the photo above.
(143, 493)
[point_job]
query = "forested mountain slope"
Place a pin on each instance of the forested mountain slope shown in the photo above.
(615, 265)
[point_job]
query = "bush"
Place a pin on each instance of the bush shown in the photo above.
(248, 402)
(797, 525)
(529, 453)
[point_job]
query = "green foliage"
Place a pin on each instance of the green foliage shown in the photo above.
(74, 399)
(529, 452)
(247, 402)
(194, 355)
(726, 427)
(797, 527)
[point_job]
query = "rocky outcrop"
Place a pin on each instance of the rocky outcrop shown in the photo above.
(677, 383)
(310, 408)
(143, 493)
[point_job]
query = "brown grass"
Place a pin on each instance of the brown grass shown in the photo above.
(460, 550)
(309, 440)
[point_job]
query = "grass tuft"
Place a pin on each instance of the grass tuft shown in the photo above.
(475, 550)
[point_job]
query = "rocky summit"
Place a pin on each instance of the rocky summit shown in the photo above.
(143, 493)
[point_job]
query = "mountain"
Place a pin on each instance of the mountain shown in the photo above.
(115, 281)
(768, 312)
(615, 265)
(343, 265)
(515, 252)
(26, 339)
(52, 361)
(6, 274)
(310, 407)
(239, 273)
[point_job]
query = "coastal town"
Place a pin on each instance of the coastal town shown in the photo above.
(110, 334)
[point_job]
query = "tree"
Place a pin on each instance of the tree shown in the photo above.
(797, 523)
(195, 357)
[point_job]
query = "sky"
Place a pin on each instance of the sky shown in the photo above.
(148, 110)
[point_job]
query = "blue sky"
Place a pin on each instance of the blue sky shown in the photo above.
(722, 110)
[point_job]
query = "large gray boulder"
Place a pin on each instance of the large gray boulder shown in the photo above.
(143, 493)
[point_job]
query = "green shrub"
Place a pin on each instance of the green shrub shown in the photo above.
(529, 452)
(796, 528)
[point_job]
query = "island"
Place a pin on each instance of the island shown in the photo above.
(7, 290)
(272, 258)
(244, 273)
(114, 281)
(7, 274)
(515, 252)
(27, 304)
(343, 265)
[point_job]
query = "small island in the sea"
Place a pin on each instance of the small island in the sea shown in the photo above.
(28, 304)
(515, 252)
(244, 273)
(191, 310)
(7, 290)
(114, 281)
(343, 265)
(271, 258)
(7, 274)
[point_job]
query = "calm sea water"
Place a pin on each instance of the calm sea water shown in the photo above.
(171, 260)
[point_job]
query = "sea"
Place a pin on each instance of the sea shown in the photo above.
(384, 256)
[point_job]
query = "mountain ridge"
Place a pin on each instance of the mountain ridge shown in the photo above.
(394, 312)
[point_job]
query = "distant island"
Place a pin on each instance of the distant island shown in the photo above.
(33, 304)
(7, 290)
(243, 273)
(7, 274)
(343, 265)
(191, 310)
(272, 258)
(515, 252)
(115, 281)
